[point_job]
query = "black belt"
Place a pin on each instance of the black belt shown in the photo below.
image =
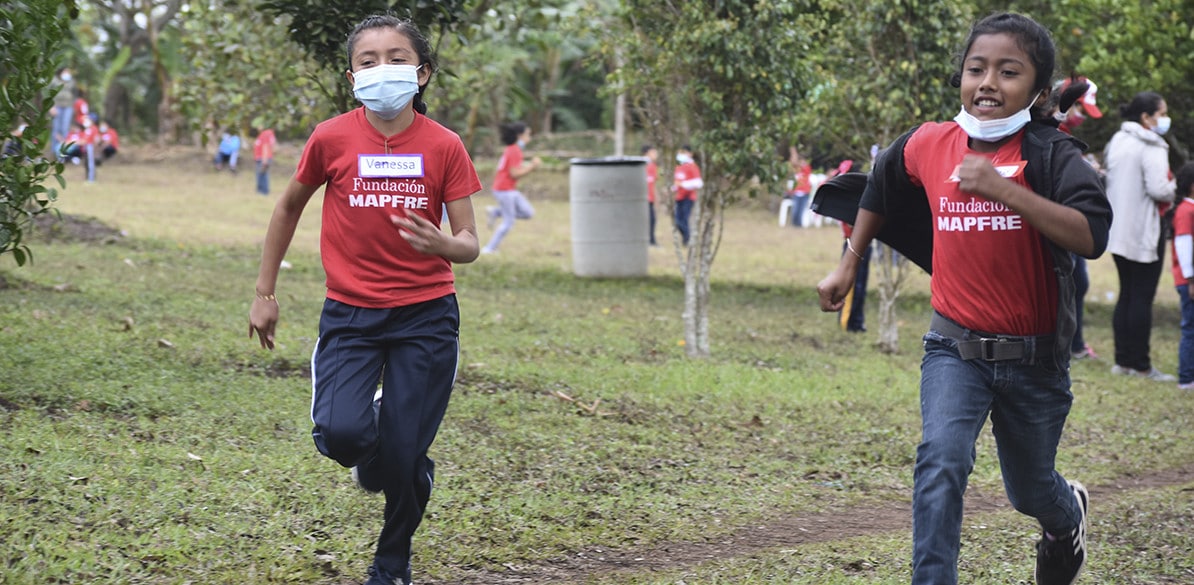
(976, 345)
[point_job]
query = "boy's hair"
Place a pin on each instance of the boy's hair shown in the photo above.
(510, 132)
(411, 31)
(685, 148)
(1030, 36)
(1145, 102)
(647, 148)
(1185, 180)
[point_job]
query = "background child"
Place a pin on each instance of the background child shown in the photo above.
(391, 314)
(688, 181)
(511, 167)
(1003, 314)
(652, 155)
(228, 151)
(109, 141)
(264, 143)
(1183, 271)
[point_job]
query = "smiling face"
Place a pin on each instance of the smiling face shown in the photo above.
(997, 77)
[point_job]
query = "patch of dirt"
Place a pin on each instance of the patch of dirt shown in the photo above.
(50, 227)
(784, 532)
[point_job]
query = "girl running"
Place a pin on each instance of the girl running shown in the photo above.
(390, 315)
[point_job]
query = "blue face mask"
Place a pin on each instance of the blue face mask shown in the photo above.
(1163, 124)
(386, 89)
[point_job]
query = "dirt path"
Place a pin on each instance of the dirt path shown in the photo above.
(827, 526)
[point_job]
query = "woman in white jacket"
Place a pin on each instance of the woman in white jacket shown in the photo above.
(1138, 181)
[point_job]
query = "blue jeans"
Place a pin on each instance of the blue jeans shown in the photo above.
(1185, 349)
(683, 211)
(262, 177)
(1081, 287)
(60, 127)
(1028, 404)
(799, 205)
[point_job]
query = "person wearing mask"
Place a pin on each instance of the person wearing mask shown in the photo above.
(1138, 185)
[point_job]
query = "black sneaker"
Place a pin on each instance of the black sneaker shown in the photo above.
(380, 577)
(1060, 561)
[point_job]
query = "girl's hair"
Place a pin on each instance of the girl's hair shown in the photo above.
(1145, 102)
(1030, 36)
(511, 131)
(411, 31)
(1185, 180)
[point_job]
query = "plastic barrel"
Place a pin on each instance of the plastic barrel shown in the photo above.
(608, 199)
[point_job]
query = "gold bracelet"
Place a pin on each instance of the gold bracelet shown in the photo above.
(849, 246)
(269, 297)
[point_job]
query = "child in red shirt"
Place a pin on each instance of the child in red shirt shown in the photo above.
(687, 181)
(1183, 272)
(391, 314)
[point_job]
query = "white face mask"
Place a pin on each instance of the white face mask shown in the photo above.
(683, 158)
(1162, 125)
(995, 130)
(386, 89)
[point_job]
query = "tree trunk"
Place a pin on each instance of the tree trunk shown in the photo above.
(697, 268)
(893, 271)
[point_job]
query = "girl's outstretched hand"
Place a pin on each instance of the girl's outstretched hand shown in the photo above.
(263, 316)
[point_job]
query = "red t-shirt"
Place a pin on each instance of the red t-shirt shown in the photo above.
(82, 110)
(992, 271)
(111, 137)
(511, 159)
(804, 180)
(263, 146)
(685, 172)
(652, 174)
(1183, 225)
(369, 178)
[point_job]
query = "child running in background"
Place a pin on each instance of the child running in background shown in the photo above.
(1183, 272)
(391, 314)
(511, 167)
(1003, 223)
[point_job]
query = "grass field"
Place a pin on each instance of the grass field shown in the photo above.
(147, 440)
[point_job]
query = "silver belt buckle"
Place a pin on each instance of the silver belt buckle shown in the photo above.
(987, 348)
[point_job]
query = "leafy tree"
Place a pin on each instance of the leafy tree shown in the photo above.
(321, 29)
(882, 67)
(521, 60)
(698, 73)
(146, 28)
(243, 69)
(1125, 47)
(32, 35)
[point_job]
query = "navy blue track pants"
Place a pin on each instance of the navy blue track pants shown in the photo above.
(413, 352)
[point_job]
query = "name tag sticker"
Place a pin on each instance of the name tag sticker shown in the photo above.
(1007, 171)
(390, 165)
